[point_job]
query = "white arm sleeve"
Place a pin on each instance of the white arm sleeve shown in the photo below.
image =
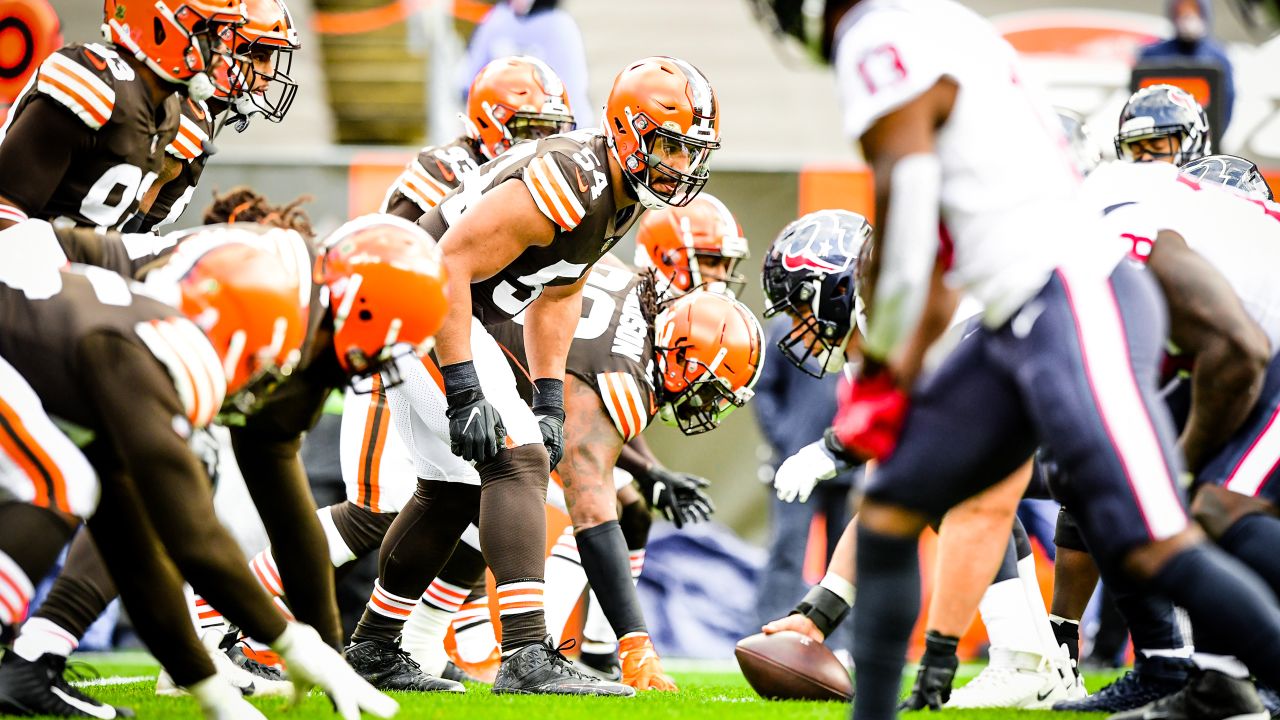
(909, 248)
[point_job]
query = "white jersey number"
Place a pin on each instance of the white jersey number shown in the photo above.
(598, 305)
(504, 295)
(132, 185)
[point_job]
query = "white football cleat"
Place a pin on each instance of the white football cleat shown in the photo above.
(1015, 679)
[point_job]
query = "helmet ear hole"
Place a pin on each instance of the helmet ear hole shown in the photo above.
(365, 315)
(842, 287)
(158, 30)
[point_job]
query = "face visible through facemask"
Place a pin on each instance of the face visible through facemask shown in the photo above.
(1189, 22)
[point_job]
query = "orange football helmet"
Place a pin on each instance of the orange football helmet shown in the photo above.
(662, 122)
(252, 305)
(710, 349)
(175, 38)
(674, 242)
(256, 81)
(386, 286)
(515, 98)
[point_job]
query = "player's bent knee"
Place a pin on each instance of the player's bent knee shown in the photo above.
(635, 520)
(890, 519)
(1145, 561)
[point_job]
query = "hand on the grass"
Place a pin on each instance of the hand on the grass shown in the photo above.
(641, 668)
(312, 662)
(220, 700)
(932, 688)
(795, 623)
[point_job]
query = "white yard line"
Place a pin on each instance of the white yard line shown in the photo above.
(99, 682)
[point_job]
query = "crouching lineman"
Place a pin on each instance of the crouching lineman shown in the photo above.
(88, 334)
(514, 247)
(811, 275)
(362, 270)
(85, 141)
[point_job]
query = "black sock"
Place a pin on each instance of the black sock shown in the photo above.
(1067, 632)
(1009, 565)
(1021, 540)
(1201, 579)
(607, 564)
(888, 582)
(1255, 541)
(1153, 620)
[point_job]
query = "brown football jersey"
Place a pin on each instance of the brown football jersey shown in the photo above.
(187, 154)
(42, 329)
(113, 166)
(436, 171)
(612, 348)
(568, 178)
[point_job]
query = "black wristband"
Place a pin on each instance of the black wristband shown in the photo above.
(833, 444)
(459, 377)
(825, 608)
(940, 650)
(548, 397)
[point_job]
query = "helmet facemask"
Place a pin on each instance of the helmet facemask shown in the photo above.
(669, 168)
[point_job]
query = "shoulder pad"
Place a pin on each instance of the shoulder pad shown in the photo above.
(625, 401)
(420, 184)
(192, 364)
(189, 144)
(83, 78)
(559, 187)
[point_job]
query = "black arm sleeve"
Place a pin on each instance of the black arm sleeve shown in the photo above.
(37, 151)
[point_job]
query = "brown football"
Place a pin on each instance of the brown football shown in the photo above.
(790, 666)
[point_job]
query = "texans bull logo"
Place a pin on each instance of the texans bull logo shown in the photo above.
(825, 252)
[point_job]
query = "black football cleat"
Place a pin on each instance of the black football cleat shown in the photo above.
(385, 666)
(541, 669)
(38, 688)
(1148, 681)
(1211, 695)
(457, 674)
(602, 665)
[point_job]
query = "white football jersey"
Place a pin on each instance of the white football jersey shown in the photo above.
(1007, 172)
(1236, 234)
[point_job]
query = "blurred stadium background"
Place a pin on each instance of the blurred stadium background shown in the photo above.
(381, 77)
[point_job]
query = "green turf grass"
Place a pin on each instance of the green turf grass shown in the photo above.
(704, 695)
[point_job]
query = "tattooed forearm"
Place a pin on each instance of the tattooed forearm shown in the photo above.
(591, 445)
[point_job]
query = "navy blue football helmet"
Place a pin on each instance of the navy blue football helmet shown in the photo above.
(1164, 111)
(1231, 171)
(811, 274)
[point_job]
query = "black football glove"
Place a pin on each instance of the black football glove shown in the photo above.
(937, 671)
(476, 432)
(548, 408)
(677, 495)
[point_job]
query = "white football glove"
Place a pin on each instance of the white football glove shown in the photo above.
(798, 474)
(219, 700)
(312, 662)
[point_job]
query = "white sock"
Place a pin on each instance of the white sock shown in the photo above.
(206, 617)
(15, 591)
(565, 581)
(39, 636)
(1035, 606)
(597, 634)
(423, 635)
(339, 553)
(637, 563)
(1007, 615)
(1225, 664)
(1182, 652)
(473, 631)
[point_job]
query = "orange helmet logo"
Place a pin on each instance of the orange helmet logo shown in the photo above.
(663, 121)
(386, 287)
(710, 349)
(677, 241)
(515, 98)
(166, 35)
